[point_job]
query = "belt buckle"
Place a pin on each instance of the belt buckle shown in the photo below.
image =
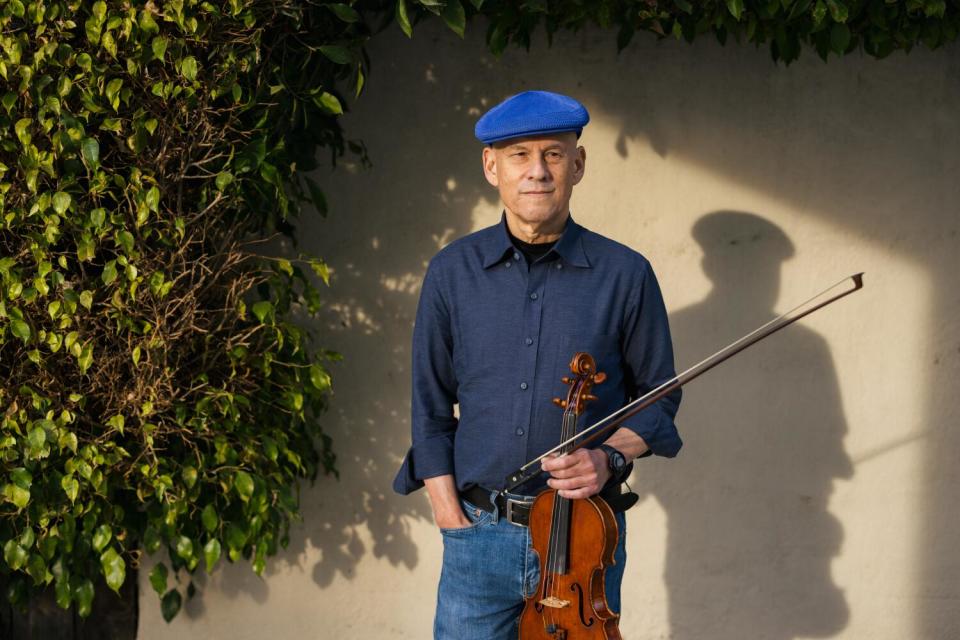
(510, 504)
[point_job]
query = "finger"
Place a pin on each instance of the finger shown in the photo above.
(577, 482)
(576, 494)
(559, 462)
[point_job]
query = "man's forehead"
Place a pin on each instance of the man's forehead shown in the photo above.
(539, 141)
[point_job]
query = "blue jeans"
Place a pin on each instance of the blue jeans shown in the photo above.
(488, 569)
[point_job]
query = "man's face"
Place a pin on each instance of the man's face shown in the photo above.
(535, 176)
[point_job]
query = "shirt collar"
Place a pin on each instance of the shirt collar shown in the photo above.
(569, 247)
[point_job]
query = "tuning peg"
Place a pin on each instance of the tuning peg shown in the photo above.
(565, 380)
(590, 397)
(560, 403)
(598, 377)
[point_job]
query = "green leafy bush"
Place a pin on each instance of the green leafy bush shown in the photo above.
(156, 389)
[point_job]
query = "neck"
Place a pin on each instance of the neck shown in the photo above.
(536, 232)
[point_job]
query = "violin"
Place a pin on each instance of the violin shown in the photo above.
(575, 540)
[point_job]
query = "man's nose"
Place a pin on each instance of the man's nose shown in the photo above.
(538, 169)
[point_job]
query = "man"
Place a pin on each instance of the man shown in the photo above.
(501, 313)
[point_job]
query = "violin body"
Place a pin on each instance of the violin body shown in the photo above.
(570, 602)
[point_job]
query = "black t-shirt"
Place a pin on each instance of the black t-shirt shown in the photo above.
(532, 252)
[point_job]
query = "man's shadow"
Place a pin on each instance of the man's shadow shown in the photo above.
(750, 537)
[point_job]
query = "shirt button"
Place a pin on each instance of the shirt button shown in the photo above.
(519, 431)
(507, 264)
(529, 341)
(533, 296)
(559, 266)
(523, 385)
(516, 256)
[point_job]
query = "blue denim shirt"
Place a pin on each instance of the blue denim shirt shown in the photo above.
(495, 336)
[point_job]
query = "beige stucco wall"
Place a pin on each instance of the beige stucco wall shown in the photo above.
(816, 496)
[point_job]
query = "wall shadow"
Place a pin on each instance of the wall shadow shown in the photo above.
(751, 538)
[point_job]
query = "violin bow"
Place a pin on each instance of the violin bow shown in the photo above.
(615, 419)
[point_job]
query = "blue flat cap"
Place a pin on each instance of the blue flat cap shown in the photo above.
(531, 113)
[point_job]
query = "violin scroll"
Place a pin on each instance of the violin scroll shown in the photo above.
(584, 368)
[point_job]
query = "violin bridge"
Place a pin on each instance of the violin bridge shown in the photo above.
(554, 602)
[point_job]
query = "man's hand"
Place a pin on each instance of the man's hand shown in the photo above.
(447, 512)
(580, 474)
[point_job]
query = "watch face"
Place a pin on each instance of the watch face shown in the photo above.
(618, 462)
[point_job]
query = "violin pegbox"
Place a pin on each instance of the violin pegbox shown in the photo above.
(585, 375)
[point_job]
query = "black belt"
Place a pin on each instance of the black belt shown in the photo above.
(516, 508)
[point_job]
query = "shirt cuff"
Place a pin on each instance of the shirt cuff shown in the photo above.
(427, 459)
(657, 430)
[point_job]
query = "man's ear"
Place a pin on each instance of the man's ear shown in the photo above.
(579, 165)
(490, 166)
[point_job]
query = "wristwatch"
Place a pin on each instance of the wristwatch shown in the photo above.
(616, 461)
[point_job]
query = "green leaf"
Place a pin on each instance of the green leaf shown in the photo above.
(37, 437)
(113, 92)
(403, 19)
(158, 578)
(102, 537)
(244, 485)
(14, 554)
(153, 199)
(17, 495)
(83, 594)
(189, 476)
(839, 37)
(170, 605)
(86, 248)
(85, 359)
(67, 441)
(224, 178)
(188, 67)
(319, 378)
(109, 272)
(151, 539)
(344, 12)
(86, 299)
(62, 591)
(455, 17)
(125, 239)
(209, 518)
(329, 103)
(735, 7)
(262, 310)
(61, 201)
(114, 568)
(838, 11)
(37, 569)
(159, 46)
(336, 53)
(185, 547)
(20, 329)
(70, 486)
(21, 477)
(90, 150)
(211, 553)
(321, 269)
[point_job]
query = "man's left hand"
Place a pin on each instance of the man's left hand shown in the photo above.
(580, 474)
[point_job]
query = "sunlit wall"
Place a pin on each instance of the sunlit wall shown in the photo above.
(816, 494)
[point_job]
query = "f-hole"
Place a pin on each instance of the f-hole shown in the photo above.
(576, 587)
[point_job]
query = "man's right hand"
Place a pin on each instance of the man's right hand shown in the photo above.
(445, 501)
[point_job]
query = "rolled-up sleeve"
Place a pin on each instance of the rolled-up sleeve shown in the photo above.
(648, 352)
(433, 424)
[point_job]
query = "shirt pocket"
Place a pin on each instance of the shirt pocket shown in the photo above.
(605, 349)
